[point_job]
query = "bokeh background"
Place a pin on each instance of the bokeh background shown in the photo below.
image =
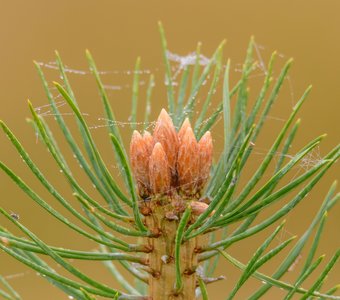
(117, 32)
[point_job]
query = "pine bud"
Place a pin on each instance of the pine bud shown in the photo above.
(165, 133)
(186, 124)
(159, 171)
(188, 163)
(139, 156)
(168, 160)
(205, 156)
(149, 141)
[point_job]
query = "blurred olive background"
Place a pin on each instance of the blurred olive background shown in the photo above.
(117, 32)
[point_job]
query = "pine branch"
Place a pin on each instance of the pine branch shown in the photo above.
(173, 194)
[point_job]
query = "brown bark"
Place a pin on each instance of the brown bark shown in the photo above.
(163, 222)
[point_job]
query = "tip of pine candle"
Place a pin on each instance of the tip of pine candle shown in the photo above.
(206, 137)
(136, 136)
(164, 116)
(188, 135)
(157, 148)
(146, 133)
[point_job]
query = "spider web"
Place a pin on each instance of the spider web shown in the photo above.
(179, 63)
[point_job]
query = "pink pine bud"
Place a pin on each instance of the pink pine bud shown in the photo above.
(149, 141)
(165, 133)
(183, 129)
(168, 161)
(159, 171)
(188, 163)
(139, 156)
(205, 156)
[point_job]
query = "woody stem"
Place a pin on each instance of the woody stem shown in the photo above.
(161, 258)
